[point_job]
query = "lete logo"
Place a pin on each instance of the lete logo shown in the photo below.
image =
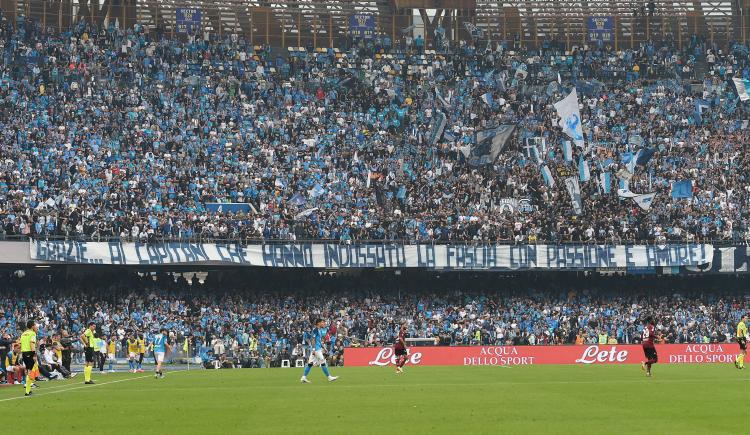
(387, 356)
(593, 355)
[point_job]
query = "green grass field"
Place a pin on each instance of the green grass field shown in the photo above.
(684, 399)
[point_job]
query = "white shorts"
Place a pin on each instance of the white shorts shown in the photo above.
(111, 356)
(132, 355)
(317, 358)
(159, 356)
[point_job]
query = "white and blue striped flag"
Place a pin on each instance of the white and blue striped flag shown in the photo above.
(584, 173)
(567, 149)
(547, 175)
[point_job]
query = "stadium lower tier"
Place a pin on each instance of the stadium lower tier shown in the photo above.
(257, 318)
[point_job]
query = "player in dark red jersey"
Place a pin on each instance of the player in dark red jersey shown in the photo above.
(400, 350)
(649, 349)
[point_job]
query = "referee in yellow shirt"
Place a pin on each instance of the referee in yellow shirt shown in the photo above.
(88, 338)
(741, 337)
(28, 351)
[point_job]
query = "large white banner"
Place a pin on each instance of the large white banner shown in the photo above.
(570, 117)
(385, 255)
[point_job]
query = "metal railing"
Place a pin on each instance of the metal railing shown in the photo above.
(299, 23)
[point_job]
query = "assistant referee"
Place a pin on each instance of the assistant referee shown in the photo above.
(28, 352)
(88, 338)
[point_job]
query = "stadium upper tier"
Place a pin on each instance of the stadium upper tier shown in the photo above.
(115, 134)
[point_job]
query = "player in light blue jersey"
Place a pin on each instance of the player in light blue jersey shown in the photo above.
(316, 340)
(161, 348)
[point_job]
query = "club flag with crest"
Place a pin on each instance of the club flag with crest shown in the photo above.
(489, 143)
(584, 172)
(644, 201)
(570, 117)
(743, 88)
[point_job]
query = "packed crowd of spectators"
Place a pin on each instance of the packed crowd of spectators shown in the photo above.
(122, 134)
(235, 324)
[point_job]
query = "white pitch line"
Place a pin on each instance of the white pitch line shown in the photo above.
(44, 393)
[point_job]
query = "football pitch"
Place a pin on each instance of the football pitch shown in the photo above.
(679, 399)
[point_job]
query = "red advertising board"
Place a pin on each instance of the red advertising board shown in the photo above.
(527, 355)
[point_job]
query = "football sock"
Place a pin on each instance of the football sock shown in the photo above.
(741, 360)
(28, 384)
(87, 373)
(325, 370)
(307, 370)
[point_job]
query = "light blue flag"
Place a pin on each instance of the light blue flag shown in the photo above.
(682, 189)
(605, 179)
(487, 98)
(547, 175)
(536, 154)
(567, 150)
(584, 173)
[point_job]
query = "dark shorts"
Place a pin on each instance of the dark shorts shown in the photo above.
(742, 342)
(400, 351)
(88, 353)
(28, 360)
(650, 353)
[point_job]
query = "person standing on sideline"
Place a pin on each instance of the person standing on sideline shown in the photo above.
(741, 337)
(88, 338)
(28, 352)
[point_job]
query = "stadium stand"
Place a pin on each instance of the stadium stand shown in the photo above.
(264, 322)
(113, 134)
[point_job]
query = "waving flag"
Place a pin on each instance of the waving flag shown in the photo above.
(547, 175)
(644, 155)
(570, 117)
(644, 201)
(605, 179)
(489, 143)
(700, 107)
(437, 128)
(574, 190)
(567, 149)
(584, 173)
(743, 88)
(682, 189)
(487, 98)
